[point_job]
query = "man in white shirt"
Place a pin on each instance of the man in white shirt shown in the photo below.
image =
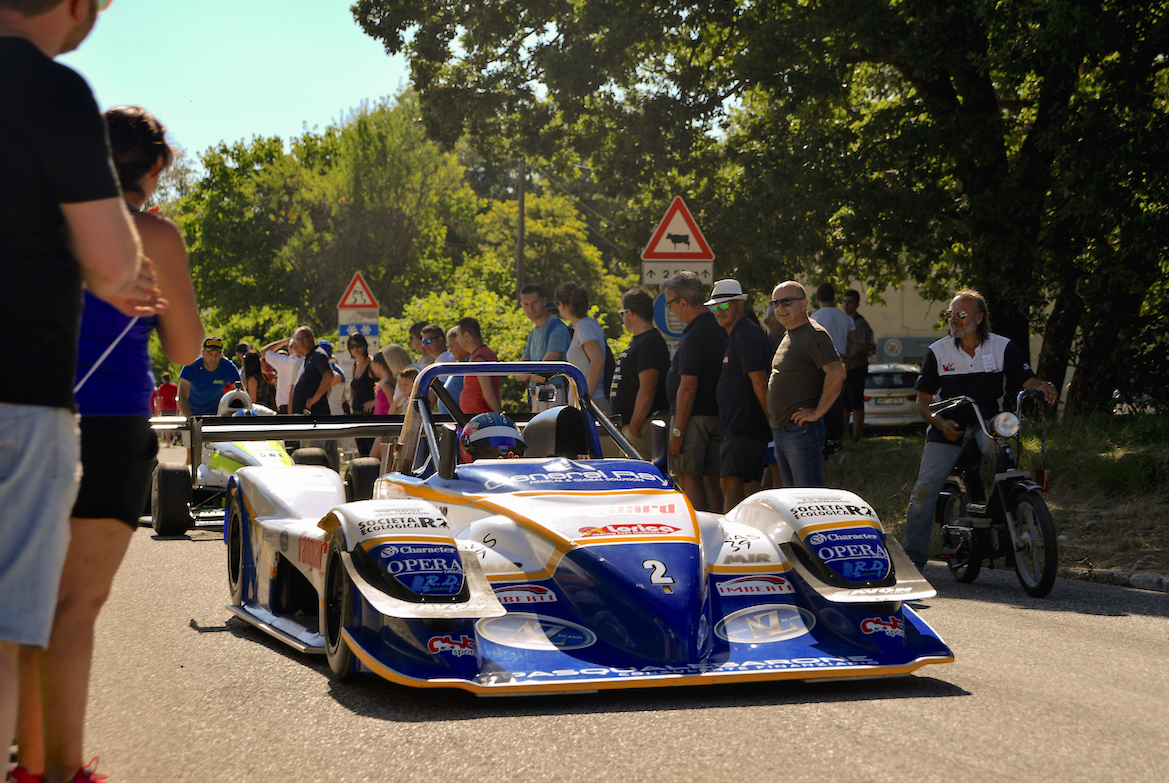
(287, 367)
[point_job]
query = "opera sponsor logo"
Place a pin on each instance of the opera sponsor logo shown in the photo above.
(464, 645)
(535, 632)
(525, 594)
(763, 584)
(628, 530)
(765, 624)
(832, 547)
(890, 626)
(310, 551)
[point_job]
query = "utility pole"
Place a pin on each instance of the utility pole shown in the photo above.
(519, 251)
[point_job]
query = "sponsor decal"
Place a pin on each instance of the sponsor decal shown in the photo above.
(762, 557)
(857, 555)
(831, 510)
(523, 480)
(310, 551)
(737, 541)
(380, 524)
(535, 632)
(628, 530)
(283, 540)
(525, 594)
(648, 508)
(890, 626)
(464, 645)
(425, 569)
(881, 591)
(765, 624)
(948, 368)
(755, 585)
(769, 664)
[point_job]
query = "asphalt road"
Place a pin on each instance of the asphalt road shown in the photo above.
(1068, 688)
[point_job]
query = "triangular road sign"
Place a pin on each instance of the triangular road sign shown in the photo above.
(357, 295)
(677, 237)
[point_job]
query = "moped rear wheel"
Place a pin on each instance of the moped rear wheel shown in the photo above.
(963, 562)
(1036, 562)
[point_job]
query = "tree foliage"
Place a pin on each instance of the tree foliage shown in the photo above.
(1012, 147)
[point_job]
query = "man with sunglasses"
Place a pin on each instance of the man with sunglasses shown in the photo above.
(806, 378)
(62, 223)
(741, 394)
(691, 388)
(974, 362)
(434, 343)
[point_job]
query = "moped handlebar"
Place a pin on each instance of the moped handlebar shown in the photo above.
(957, 402)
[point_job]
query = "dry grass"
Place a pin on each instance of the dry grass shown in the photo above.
(1109, 497)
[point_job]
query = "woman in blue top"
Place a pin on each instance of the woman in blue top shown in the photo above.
(117, 455)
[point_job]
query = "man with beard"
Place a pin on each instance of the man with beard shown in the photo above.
(971, 362)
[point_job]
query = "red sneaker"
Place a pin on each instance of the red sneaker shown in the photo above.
(21, 775)
(88, 773)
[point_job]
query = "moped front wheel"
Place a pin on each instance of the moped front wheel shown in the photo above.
(1038, 557)
(963, 562)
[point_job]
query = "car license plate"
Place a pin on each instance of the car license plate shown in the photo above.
(890, 400)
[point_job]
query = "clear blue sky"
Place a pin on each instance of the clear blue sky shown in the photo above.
(225, 70)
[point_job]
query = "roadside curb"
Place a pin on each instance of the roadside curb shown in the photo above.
(1153, 582)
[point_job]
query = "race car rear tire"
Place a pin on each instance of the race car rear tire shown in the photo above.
(235, 548)
(338, 600)
(310, 456)
(170, 500)
(360, 475)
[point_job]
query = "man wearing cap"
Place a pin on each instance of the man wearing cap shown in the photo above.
(548, 341)
(691, 387)
(204, 381)
(741, 394)
(311, 392)
(806, 378)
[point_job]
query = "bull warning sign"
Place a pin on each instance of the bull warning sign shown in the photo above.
(677, 237)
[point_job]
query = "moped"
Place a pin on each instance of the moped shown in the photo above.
(1012, 520)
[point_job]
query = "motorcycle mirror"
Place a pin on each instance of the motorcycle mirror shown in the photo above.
(1006, 425)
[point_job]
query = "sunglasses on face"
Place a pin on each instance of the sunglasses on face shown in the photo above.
(786, 301)
(724, 306)
(670, 303)
(962, 314)
(621, 313)
(428, 341)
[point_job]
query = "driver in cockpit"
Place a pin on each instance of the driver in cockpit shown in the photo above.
(490, 436)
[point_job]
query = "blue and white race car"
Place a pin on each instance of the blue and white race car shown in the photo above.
(564, 570)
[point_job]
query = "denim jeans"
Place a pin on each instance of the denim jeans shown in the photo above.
(937, 460)
(798, 449)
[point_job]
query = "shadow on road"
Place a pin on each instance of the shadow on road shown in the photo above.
(1001, 586)
(375, 698)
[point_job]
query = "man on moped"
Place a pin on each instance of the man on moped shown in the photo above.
(971, 362)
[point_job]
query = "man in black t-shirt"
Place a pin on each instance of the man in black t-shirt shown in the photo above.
(639, 385)
(695, 434)
(311, 392)
(62, 222)
(742, 394)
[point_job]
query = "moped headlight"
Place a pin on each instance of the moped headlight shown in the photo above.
(1006, 425)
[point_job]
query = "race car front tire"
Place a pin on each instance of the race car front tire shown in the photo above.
(170, 500)
(338, 600)
(310, 455)
(235, 548)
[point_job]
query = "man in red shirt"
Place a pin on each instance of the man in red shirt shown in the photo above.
(477, 397)
(165, 402)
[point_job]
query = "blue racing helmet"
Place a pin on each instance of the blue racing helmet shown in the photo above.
(490, 436)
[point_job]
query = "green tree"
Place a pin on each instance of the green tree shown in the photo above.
(936, 140)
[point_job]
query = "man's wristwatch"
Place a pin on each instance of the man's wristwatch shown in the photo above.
(677, 433)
